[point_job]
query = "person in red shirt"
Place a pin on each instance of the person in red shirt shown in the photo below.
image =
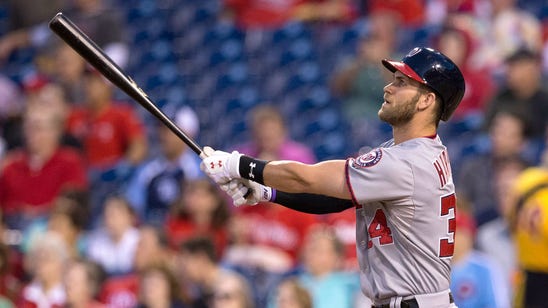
(110, 131)
(113, 139)
(32, 177)
(202, 211)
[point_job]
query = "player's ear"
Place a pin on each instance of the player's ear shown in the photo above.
(427, 100)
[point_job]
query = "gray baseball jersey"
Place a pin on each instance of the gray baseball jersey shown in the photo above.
(405, 215)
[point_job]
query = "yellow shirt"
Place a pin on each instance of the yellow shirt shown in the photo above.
(531, 229)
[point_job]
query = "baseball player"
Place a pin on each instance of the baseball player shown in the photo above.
(402, 191)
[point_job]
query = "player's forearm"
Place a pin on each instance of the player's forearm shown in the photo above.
(289, 176)
(296, 177)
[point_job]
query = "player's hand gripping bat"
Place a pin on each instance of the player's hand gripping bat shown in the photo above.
(88, 49)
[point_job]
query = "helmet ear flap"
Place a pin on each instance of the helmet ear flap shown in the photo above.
(435, 70)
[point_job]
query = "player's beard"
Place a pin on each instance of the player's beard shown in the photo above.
(400, 114)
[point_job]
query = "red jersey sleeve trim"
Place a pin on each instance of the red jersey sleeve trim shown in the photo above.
(347, 175)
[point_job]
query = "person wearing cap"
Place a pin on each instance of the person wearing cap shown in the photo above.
(402, 191)
(158, 182)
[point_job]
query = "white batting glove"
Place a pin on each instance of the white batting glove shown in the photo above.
(220, 166)
(247, 192)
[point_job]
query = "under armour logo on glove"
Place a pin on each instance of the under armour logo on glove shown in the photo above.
(251, 166)
(221, 166)
(219, 163)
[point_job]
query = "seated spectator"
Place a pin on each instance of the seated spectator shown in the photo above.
(157, 184)
(270, 138)
(523, 93)
(360, 82)
(122, 291)
(476, 278)
(344, 226)
(507, 28)
(159, 288)
(83, 280)
(112, 136)
(322, 275)
(232, 290)
(458, 45)
(290, 294)
(507, 144)
(527, 216)
(45, 263)
(202, 211)
(43, 165)
(68, 71)
(68, 218)
(200, 270)
(113, 245)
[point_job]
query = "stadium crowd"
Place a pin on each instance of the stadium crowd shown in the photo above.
(102, 206)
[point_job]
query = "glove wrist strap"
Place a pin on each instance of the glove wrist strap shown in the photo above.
(252, 169)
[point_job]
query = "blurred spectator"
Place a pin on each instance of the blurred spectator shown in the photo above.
(82, 281)
(113, 245)
(360, 82)
(110, 131)
(323, 277)
(113, 139)
(344, 226)
(10, 285)
(157, 184)
(200, 269)
(476, 279)
(68, 69)
(159, 288)
(45, 263)
(68, 218)
(202, 211)
(523, 92)
(494, 237)
(266, 239)
(458, 45)
(34, 176)
(508, 28)
(270, 139)
(253, 14)
(527, 214)
(232, 291)
(507, 143)
(290, 294)
(122, 291)
(92, 16)
(410, 12)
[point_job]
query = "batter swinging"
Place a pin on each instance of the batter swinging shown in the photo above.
(402, 191)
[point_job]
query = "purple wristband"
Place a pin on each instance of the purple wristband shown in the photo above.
(273, 195)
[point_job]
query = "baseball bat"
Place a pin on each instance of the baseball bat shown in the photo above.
(94, 55)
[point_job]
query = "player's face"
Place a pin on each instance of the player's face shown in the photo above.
(400, 100)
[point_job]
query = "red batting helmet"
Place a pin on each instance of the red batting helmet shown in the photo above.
(435, 70)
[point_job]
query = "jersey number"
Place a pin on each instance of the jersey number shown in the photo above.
(379, 228)
(448, 246)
